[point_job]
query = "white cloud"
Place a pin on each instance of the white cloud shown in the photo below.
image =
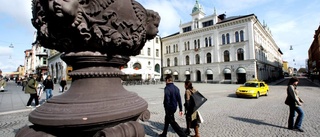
(170, 19)
(19, 10)
(5, 51)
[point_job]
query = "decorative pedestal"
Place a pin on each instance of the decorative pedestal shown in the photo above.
(97, 37)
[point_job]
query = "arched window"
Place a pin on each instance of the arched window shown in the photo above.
(223, 39)
(185, 46)
(188, 45)
(226, 56)
(168, 62)
(237, 36)
(195, 44)
(157, 68)
(136, 65)
(197, 59)
(175, 61)
(187, 60)
(177, 49)
(198, 43)
(169, 49)
(241, 35)
(174, 48)
(210, 42)
(228, 38)
(240, 54)
(208, 57)
(206, 41)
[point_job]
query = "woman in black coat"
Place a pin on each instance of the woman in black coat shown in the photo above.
(63, 84)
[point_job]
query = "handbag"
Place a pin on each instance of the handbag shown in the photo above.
(198, 100)
(200, 118)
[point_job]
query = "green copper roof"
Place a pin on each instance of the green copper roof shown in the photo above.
(197, 7)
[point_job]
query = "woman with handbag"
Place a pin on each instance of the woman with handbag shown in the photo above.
(294, 102)
(191, 115)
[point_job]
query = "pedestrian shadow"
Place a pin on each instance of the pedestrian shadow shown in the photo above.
(255, 121)
(155, 128)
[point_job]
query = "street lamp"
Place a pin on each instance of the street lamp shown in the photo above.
(11, 46)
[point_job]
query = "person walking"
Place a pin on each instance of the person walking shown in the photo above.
(63, 84)
(24, 83)
(172, 99)
(31, 88)
(294, 102)
(48, 87)
(191, 115)
(3, 84)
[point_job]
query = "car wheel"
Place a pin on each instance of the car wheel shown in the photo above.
(267, 93)
(258, 95)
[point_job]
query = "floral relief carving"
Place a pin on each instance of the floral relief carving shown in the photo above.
(94, 25)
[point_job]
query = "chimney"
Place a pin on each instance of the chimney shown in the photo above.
(222, 16)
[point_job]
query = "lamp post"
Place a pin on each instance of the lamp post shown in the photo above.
(95, 38)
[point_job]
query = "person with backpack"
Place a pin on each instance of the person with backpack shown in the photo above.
(31, 88)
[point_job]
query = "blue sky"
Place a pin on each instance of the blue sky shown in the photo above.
(292, 22)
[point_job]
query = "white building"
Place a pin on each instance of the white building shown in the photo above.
(57, 68)
(149, 60)
(28, 61)
(221, 49)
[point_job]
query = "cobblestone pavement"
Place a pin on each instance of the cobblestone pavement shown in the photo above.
(224, 114)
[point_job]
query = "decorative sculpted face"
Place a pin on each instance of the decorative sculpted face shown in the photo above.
(152, 24)
(64, 8)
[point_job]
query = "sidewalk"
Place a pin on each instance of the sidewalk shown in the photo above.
(15, 100)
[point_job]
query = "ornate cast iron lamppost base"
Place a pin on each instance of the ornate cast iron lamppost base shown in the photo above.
(96, 37)
(94, 104)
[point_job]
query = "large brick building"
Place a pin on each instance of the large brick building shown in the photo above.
(314, 54)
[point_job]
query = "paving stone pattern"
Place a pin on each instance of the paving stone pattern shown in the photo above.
(224, 114)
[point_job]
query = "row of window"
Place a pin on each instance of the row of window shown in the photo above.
(226, 55)
(208, 42)
(149, 52)
(226, 37)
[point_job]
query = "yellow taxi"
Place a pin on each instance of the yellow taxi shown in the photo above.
(253, 88)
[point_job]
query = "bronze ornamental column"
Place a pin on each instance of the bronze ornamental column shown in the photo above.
(96, 37)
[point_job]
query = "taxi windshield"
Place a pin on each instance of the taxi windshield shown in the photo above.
(251, 84)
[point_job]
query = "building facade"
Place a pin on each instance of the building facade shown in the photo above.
(57, 68)
(28, 62)
(314, 54)
(149, 60)
(221, 49)
(40, 59)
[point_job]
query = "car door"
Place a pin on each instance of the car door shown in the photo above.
(263, 88)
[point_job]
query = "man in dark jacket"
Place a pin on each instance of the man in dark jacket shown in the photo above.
(48, 87)
(172, 99)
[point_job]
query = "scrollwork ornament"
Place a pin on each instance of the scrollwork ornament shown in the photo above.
(94, 25)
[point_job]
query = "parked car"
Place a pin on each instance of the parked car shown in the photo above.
(253, 89)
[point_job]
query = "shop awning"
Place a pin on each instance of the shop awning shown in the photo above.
(168, 71)
(209, 71)
(241, 70)
(187, 72)
(226, 71)
(175, 73)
